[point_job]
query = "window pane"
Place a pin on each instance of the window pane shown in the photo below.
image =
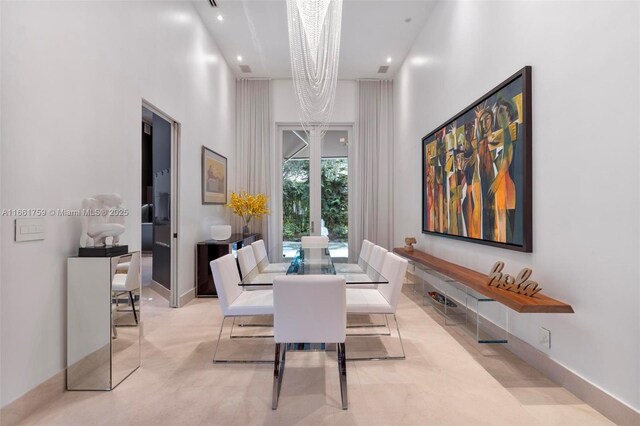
(295, 190)
(335, 192)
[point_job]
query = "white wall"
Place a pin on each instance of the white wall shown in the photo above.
(585, 58)
(285, 108)
(74, 76)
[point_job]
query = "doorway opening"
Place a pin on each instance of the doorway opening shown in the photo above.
(159, 234)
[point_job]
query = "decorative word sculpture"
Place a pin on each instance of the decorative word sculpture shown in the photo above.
(101, 219)
(520, 284)
(408, 241)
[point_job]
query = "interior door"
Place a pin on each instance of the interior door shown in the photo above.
(161, 137)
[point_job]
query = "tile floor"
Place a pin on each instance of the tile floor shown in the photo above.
(446, 379)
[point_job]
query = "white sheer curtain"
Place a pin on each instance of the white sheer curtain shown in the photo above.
(254, 148)
(374, 165)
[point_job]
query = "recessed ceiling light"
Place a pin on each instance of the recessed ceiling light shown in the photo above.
(239, 58)
(389, 59)
(220, 18)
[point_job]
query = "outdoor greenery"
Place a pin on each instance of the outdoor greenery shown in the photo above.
(334, 193)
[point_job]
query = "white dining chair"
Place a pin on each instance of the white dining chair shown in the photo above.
(128, 282)
(384, 299)
(377, 257)
(365, 251)
(363, 259)
(260, 254)
(314, 241)
(233, 301)
(309, 309)
(246, 260)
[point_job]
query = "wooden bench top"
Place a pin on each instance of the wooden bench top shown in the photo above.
(477, 281)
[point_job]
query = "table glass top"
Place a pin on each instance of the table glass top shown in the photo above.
(313, 261)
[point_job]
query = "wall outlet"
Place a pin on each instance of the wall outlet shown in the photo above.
(544, 337)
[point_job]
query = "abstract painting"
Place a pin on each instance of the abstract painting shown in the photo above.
(214, 177)
(476, 170)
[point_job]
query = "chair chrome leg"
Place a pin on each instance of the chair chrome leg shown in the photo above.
(387, 357)
(277, 378)
(404, 355)
(133, 307)
(219, 337)
(282, 362)
(342, 368)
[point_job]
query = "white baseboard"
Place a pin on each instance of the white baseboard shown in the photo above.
(609, 406)
(161, 290)
(187, 297)
(45, 393)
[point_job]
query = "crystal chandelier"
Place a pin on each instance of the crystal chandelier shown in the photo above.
(314, 44)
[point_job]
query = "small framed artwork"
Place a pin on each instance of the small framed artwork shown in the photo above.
(476, 170)
(214, 177)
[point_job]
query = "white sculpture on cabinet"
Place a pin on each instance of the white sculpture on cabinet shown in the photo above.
(102, 217)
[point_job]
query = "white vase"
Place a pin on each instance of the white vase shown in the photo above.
(220, 232)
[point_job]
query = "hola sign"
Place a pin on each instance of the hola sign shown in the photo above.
(520, 284)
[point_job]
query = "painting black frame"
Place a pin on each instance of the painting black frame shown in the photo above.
(527, 245)
(206, 151)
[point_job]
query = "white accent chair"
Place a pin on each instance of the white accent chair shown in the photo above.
(384, 299)
(377, 258)
(365, 251)
(309, 309)
(247, 260)
(375, 261)
(314, 241)
(233, 301)
(363, 259)
(260, 254)
(128, 282)
(259, 250)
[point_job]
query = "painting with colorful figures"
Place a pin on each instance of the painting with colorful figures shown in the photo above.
(477, 170)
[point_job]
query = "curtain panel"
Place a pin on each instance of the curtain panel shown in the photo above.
(374, 165)
(254, 148)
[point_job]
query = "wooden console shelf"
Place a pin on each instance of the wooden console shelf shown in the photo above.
(477, 281)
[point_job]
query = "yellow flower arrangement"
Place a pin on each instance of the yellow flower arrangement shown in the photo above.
(248, 206)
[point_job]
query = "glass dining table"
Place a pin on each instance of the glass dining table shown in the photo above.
(310, 261)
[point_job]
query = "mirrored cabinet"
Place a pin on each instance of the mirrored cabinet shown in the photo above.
(103, 320)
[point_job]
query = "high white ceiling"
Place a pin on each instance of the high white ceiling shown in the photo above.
(372, 30)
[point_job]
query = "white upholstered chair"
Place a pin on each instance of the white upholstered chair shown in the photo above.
(363, 259)
(260, 254)
(129, 281)
(365, 251)
(247, 260)
(309, 309)
(384, 299)
(377, 257)
(314, 241)
(233, 301)
(259, 250)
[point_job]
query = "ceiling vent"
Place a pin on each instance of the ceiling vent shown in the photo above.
(213, 3)
(383, 69)
(245, 68)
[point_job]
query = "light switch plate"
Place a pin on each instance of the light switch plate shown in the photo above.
(29, 229)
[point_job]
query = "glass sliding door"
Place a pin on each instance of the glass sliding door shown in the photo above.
(315, 188)
(334, 192)
(295, 190)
